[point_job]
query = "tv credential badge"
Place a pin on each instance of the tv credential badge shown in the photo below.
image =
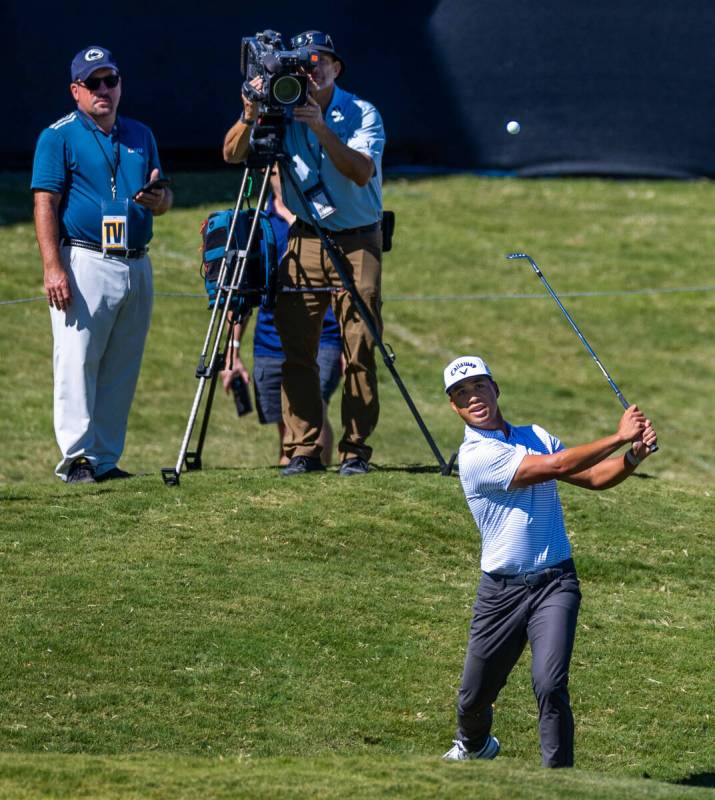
(115, 214)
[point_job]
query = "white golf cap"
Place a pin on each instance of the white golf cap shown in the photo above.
(464, 367)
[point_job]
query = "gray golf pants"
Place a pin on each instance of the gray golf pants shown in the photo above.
(505, 617)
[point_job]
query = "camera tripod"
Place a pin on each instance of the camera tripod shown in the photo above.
(231, 283)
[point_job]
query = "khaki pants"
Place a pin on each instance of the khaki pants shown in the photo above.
(299, 318)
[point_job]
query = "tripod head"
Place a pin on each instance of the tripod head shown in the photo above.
(266, 141)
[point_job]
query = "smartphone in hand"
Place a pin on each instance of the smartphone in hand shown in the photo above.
(159, 183)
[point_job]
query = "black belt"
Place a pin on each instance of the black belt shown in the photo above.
(535, 579)
(306, 227)
(137, 252)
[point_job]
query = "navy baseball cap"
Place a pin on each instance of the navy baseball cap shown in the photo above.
(89, 59)
(317, 40)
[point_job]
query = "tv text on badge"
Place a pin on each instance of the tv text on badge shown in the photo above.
(114, 233)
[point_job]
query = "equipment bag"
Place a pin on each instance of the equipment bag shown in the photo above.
(259, 282)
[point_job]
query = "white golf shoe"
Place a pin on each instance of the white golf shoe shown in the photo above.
(460, 753)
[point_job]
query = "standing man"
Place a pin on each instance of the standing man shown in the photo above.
(529, 590)
(268, 353)
(335, 144)
(93, 226)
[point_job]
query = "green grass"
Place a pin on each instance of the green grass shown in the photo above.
(246, 636)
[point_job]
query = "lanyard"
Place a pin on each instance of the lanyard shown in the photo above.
(317, 158)
(113, 168)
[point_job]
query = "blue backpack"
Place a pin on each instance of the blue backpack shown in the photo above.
(260, 278)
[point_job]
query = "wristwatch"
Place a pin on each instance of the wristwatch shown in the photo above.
(245, 121)
(632, 458)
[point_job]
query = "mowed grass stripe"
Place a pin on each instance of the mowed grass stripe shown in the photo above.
(159, 776)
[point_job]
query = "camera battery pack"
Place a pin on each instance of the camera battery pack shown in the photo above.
(241, 396)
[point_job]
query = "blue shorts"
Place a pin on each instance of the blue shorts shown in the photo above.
(267, 382)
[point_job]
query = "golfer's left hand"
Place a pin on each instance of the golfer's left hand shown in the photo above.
(311, 114)
(641, 448)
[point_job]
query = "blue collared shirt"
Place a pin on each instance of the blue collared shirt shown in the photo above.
(74, 157)
(522, 530)
(357, 124)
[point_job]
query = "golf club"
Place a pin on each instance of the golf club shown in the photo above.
(611, 382)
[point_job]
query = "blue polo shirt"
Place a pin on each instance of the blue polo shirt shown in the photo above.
(522, 530)
(74, 157)
(357, 124)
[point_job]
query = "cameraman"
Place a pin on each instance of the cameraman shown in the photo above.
(335, 145)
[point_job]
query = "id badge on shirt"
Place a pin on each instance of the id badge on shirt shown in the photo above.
(115, 216)
(319, 199)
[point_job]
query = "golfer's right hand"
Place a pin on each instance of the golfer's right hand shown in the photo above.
(227, 375)
(632, 424)
(57, 288)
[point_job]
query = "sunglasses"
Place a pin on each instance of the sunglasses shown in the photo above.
(315, 38)
(110, 81)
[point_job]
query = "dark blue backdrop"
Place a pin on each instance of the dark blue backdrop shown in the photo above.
(609, 87)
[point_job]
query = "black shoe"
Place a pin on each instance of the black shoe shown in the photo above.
(354, 466)
(81, 471)
(113, 474)
(301, 464)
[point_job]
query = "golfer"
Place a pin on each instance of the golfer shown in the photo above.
(529, 590)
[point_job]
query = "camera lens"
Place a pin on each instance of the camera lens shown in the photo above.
(286, 89)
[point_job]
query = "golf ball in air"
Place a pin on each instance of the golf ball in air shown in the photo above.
(513, 127)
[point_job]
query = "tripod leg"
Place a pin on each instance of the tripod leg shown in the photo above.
(337, 259)
(209, 372)
(193, 458)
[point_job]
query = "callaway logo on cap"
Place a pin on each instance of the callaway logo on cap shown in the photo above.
(464, 367)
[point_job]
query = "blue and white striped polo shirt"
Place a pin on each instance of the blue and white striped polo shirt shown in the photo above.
(522, 530)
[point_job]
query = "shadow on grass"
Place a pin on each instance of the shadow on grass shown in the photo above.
(412, 468)
(333, 468)
(266, 467)
(706, 779)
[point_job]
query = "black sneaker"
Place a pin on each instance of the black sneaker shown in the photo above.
(113, 474)
(81, 471)
(354, 466)
(298, 465)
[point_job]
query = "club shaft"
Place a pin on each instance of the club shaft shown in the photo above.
(577, 331)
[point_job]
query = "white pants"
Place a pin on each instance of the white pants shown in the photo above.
(98, 347)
